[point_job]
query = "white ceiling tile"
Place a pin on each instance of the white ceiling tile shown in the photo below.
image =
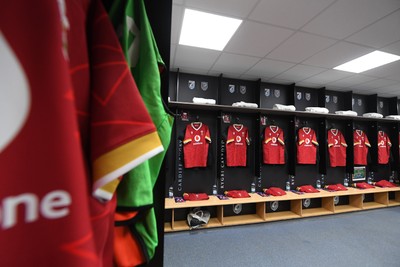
(193, 70)
(353, 80)
(391, 88)
(267, 68)
(299, 47)
(176, 23)
(288, 13)
(345, 17)
(336, 55)
(376, 84)
(393, 48)
(328, 76)
(172, 55)
(253, 39)
(236, 8)
(309, 84)
(298, 72)
(280, 81)
(186, 56)
(392, 69)
(379, 34)
(235, 64)
(179, 2)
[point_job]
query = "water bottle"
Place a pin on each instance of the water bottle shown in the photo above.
(369, 180)
(170, 192)
(346, 181)
(318, 184)
(214, 190)
(287, 186)
(253, 187)
(391, 178)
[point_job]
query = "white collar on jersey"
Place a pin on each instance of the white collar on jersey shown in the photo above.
(306, 131)
(334, 131)
(359, 132)
(238, 127)
(274, 126)
(198, 127)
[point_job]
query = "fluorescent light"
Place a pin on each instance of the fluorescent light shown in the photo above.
(368, 61)
(207, 30)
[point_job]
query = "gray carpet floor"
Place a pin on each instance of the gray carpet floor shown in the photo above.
(365, 238)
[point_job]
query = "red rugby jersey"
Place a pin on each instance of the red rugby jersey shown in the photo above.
(361, 145)
(273, 145)
(195, 145)
(384, 146)
(337, 148)
(306, 146)
(236, 145)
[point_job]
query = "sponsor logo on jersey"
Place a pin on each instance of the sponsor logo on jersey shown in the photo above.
(54, 205)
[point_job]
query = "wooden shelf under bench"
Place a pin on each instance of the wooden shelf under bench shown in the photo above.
(382, 197)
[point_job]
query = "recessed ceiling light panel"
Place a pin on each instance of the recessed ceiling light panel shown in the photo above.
(205, 30)
(368, 61)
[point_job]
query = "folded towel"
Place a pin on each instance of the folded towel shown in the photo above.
(373, 115)
(346, 112)
(284, 107)
(317, 109)
(199, 100)
(245, 104)
(394, 117)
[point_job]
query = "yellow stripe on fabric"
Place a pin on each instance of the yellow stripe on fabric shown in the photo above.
(124, 154)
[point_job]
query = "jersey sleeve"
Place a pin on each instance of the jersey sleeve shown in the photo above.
(281, 138)
(366, 141)
(230, 138)
(188, 138)
(207, 135)
(342, 140)
(122, 132)
(247, 137)
(314, 138)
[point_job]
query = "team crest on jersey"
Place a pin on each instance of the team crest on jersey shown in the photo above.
(191, 84)
(299, 95)
(334, 98)
(308, 96)
(267, 92)
(277, 93)
(359, 102)
(231, 88)
(242, 89)
(327, 98)
(204, 86)
(381, 104)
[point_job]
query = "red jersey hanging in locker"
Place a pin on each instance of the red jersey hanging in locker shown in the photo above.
(236, 145)
(273, 145)
(337, 148)
(195, 145)
(306, 146)
(361, 145)
(384, 146)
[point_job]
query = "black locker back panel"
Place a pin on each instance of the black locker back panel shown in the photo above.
(359, 103)
(383, 106)
(274, 174)
(198, 179)
(193, 85)
(234, 90)
(334, 101)
(241, 177)
(271, 94)
(307, 173)
(172, 86)
(305, 97)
